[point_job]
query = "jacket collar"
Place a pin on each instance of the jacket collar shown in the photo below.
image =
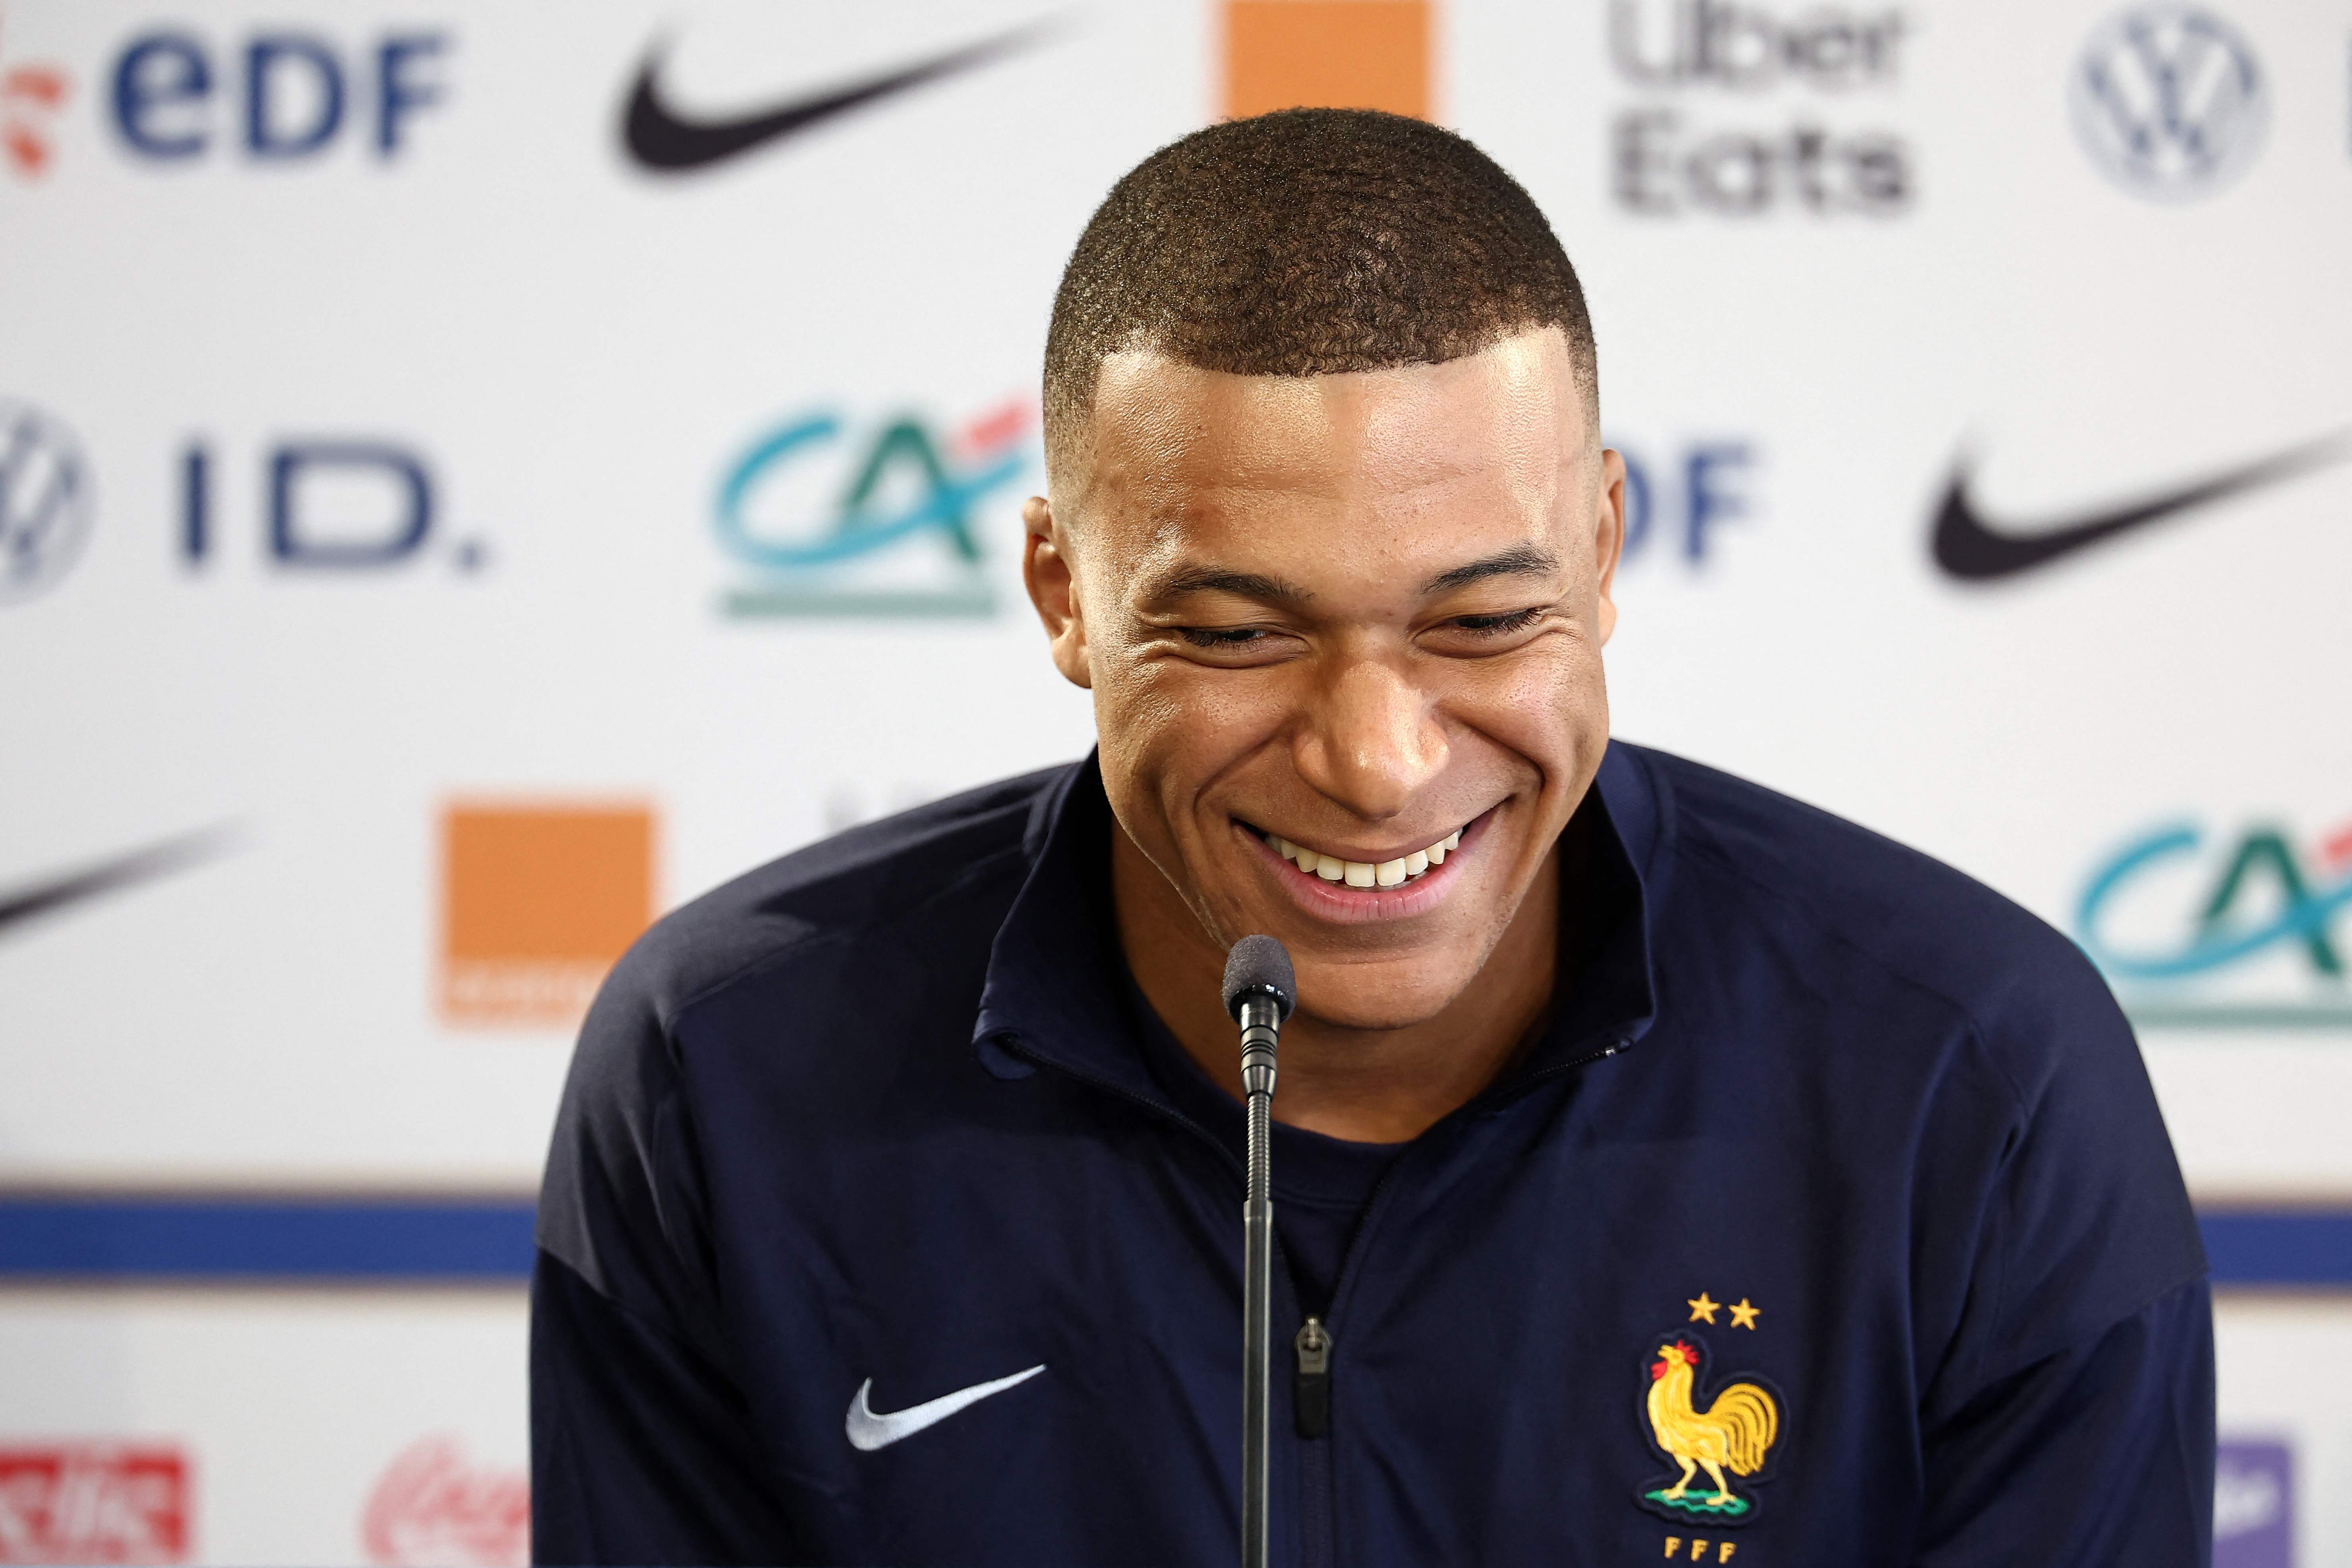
(1055, 974)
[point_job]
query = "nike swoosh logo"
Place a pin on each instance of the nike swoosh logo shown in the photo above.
(869, 1430)
(659, 138)
(1967, 548)
(29, 904)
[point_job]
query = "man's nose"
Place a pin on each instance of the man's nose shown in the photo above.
(1372, 741)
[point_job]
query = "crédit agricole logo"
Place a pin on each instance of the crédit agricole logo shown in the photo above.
(824, 515)
(2244, 927)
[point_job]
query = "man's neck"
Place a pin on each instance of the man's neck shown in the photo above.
(1367, 1086)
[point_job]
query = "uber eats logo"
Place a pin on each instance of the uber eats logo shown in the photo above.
(2245, 929)
(886, 515)
(1748, 111)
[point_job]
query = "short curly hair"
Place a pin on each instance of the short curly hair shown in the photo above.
(1309, 242)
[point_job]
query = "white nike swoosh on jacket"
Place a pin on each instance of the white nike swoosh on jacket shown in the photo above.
(868, 1430)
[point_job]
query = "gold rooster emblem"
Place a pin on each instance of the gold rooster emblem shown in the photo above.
(1734, 1432)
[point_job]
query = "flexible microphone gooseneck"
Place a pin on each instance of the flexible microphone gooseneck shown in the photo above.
(1259, 992)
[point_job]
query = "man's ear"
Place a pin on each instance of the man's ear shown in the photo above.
(1608, 540)
(1048, 571)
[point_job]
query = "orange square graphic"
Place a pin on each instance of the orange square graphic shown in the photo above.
(1326, 54)
(536, 900)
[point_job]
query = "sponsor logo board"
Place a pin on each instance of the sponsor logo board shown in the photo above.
(331, 504)
(1969, 546)
(2169, 101)
(274, 96)
(1697, 143)
(24, 902)
(2243, 929)
(658, 137)
(95, 1503)
(435, 1505)
(1678, 496)
(1326, 54)
(538, 900)
(32, 92)
(47, 498)
(2253, 1505)
(821, 515)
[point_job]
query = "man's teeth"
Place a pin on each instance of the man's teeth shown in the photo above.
(1366, 873)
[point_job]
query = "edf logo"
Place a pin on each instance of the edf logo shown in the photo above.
(280, 96)
(1695, 492)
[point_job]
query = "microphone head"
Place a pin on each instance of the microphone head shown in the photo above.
(1259, 966)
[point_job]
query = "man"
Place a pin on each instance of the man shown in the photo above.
(1668, 1171)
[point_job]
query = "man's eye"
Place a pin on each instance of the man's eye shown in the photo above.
(1498, 626)
(1221, 636)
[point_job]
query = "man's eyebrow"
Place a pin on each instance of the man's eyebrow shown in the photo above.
(1520, 560)
(1241, 585)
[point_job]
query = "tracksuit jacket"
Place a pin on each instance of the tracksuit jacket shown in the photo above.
(873, 1232)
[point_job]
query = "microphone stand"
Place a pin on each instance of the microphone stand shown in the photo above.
(1261, 1017)
(1259, 992)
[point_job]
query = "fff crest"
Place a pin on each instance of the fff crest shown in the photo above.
(1718, 1430)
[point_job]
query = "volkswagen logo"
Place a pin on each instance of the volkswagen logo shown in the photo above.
(44, 501)
(2169, 101)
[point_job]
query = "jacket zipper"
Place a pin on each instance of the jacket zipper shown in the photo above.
(1319, 1505)
(1312, 1398)
(1318, 1523)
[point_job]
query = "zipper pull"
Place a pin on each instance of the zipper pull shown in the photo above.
(1313, 1402)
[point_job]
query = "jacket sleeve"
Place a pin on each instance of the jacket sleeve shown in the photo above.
(643, 1450)
(2101, 1453)
(2070, 1418)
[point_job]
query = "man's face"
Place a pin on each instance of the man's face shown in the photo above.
(1329, 623)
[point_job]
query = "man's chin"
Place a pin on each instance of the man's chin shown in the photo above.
(1389, 995)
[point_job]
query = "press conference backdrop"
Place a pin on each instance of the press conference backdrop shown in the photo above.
(474, 477)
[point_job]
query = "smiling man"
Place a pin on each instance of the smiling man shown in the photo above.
(1343, 630)
(1667, 1171)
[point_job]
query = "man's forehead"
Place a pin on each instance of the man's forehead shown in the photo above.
(1295, 547)
(1160, 426)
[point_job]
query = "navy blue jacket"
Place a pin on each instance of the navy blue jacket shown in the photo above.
(1833, 1171)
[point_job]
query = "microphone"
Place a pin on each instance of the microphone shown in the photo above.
(1260, 991)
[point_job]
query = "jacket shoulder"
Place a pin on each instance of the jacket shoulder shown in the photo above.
(2023, 984)
(2082, 1218)
(870, 874)
(620, 1202)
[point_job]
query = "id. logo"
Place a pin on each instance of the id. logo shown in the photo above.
(2224, 933)
(2169, 101)
(827, 520)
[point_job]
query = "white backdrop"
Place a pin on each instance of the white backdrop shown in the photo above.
(459, 385)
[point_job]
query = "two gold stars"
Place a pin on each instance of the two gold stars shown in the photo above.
(1704, 1308)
